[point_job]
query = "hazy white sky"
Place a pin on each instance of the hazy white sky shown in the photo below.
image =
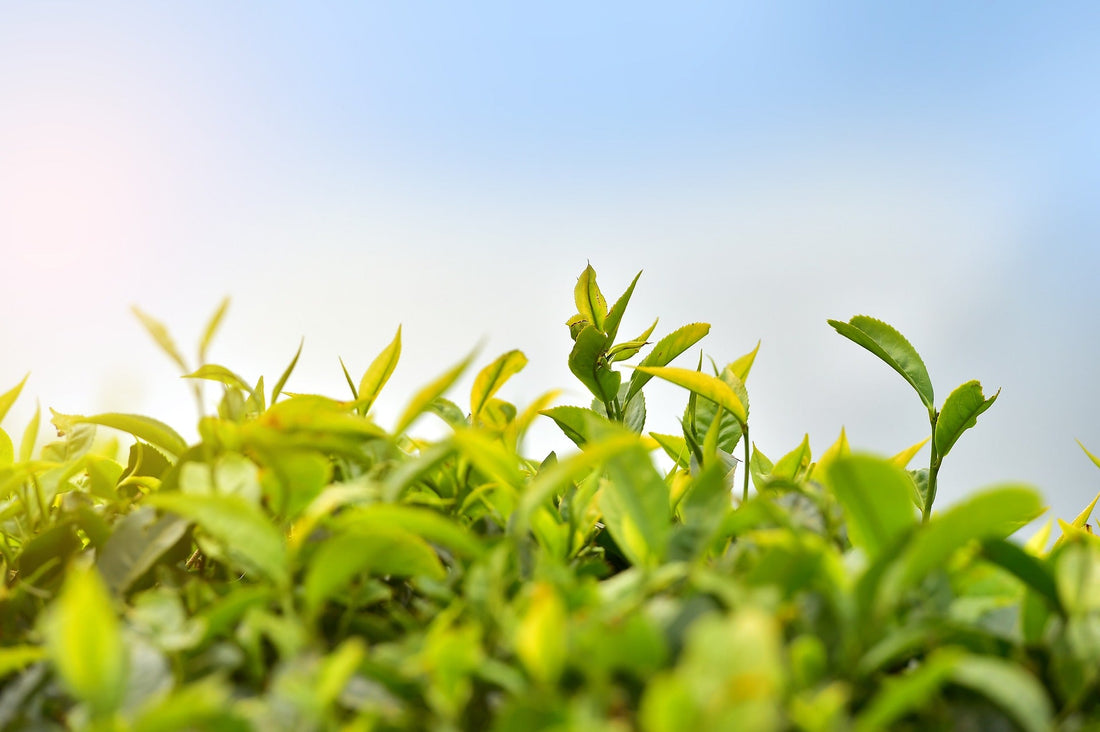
(340, 169)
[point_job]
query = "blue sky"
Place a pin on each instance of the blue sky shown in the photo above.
(339, 169)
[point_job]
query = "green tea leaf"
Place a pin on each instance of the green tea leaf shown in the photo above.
(666, 349)
(212, 328)
(891, 346)
(153, 431)
(675, 447)
(491, 378)
(423, 398)
(540, 637)
(490, 457)
(794, 464)
(590, 301)
(16, 658)
(577, 423)
(904, 694)
(379, 372)
(7, 450)
(877, 500)
(586, 363)
(84, 640)
(1010, 687)
(635, 505)
(381, 550)
(429, 525)
(290, 369)
(8, 398)
(1026, 567)
(214, 372)
(160, 334)
(710, 387)
(903, 458)
(1095, 460)
(30, 435)
(615, 317)
(629, 349)
(960, 413)
(994, 513)
(138, 542)
(247, 535)
(743, 365)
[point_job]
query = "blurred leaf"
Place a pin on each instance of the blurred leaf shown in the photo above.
(877, 500)
(541, 639)
(425, 523)
(710, 387)
(154, 432)
(78, 441)
(220, 374)
(760, 468)
(1008, 686)
(420, 401)
(903, 458)
(590, 301)
(379, 372)
(994, 513)
(491, 378)
(960, 412)
(212, 328)
(1095, 460)
(891, 346)
(490, 457)
(85, 644)
(1080, 521)
(160, 334)
(16, 658)
(8, 398)
(290, 369)
(1023, 565)
(578, 424)
(7, 450)
(247, 536)
(1077, 575)
(635, 506)
(138, 542)
(794, 464)
(906, 693)
(666, 349)
(382, 550)
(30, 436)
(838, 449)
(675, 447)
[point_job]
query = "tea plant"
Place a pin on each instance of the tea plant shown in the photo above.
(302, 566)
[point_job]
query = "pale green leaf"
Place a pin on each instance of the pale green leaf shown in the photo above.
(540, 635)
(160, 334)
(30, 435)
(214, 372)
(635, 506)
(743, 365)
(423, 522)
(212, 328)
(888, 344)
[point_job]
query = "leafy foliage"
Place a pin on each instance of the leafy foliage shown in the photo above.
(301, 567)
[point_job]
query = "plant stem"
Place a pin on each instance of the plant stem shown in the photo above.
(745, 437)
(933, 468)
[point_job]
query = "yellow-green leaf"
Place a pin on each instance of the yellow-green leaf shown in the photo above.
(8, 398)
(423, 398)
(589, 299)
(710, 387)
(960, 412)
(903, 458)
(491, 378)
(153, 431)
(541, 642)
(212, 328)
(160, 334)
(379, 372)
(84, 641)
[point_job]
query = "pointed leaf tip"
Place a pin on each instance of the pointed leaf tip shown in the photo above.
(891, 346)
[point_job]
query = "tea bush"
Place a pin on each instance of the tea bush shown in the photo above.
(303, 567)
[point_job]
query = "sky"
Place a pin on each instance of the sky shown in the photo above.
(340, 169)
